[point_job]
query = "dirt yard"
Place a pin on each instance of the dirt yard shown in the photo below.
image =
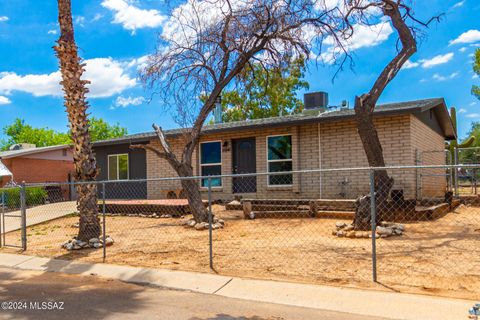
(440, 257)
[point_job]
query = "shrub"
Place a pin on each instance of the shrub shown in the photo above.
(34, 196)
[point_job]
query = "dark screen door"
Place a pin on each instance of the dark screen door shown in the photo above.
(244, 161)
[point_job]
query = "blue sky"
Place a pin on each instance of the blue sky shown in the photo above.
(115, 35)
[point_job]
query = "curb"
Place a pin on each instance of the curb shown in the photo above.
(388, 305)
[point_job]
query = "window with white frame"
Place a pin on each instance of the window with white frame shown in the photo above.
(279, 159)
(211, 162)
(118, 166)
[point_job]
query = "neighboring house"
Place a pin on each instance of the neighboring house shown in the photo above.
(410, 132)
(36, 165)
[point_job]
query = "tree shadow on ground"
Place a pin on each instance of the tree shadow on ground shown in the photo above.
(222, 316)
(82, 297)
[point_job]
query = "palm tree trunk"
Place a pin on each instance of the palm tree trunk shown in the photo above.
(76, 106)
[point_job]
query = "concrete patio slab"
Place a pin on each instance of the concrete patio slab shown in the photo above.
(39, 214)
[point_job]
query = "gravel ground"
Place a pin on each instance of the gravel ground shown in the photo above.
(439, 257)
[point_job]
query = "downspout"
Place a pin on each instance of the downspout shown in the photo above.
(320, 160)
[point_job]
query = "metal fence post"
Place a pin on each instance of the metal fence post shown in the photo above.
(2, 221)
(456, 171)
(373, 220)
(210, 222)
(23, 212)
(450, 160)
(104, 247)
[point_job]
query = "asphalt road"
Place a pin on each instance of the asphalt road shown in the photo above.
(44, 295)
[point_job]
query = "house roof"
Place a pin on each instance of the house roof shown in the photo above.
(417, 106)
(24, 152)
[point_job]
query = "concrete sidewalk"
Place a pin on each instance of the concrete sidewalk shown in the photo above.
(362, 302)
(39, 214)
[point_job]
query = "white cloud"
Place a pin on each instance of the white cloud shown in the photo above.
(409, 65)
(475, 76)
(4, 18)
(133, 18)
(107, 78)
(79, 20)
(363, 37)
(35, 84)
(469, 36)
(440, 59)
(458, 4)
(4, 100)
(472, 104)
(53, 31)
(473, 115)
(462, 110)
(462, 49)
(129, 101)
(138, 63)
(439, 77)
(97, 17)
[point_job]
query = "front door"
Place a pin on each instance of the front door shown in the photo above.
(244, 161)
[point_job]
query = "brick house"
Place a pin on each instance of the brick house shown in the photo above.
(36, 165)
(410, 132)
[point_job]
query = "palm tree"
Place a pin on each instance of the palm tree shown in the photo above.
(76, 106)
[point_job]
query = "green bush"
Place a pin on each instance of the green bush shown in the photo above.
(34, 196)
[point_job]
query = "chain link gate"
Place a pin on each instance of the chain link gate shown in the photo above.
(13, 217)
(425, 176)
(466, 180)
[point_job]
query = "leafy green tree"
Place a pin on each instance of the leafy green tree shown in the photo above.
(102, 130)
(265, 92)
(476, 69)
(20, 132)
(471, 155)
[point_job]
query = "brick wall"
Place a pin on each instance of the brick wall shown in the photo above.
(37, 170)
(428, 148)
(340, 147)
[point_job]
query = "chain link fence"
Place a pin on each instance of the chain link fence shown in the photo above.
(317, 226)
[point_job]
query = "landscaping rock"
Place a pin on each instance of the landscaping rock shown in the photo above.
(108, 241)
(350, 234)
(93, 241)
(199, 226)
(340, 225)
(384, 231)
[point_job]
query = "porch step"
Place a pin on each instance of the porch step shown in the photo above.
(322, 204)
(277, 214)
(347, 215)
